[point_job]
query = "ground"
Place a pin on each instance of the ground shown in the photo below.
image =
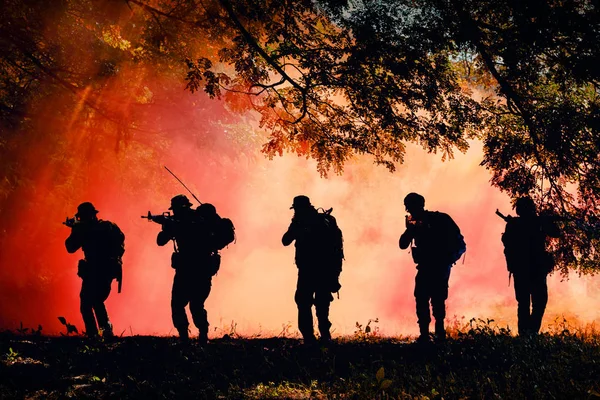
(482, 362)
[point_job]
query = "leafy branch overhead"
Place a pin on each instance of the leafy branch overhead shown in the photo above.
(334, 78)
(330, 89)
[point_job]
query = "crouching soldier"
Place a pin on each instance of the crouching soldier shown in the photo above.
(319, 256)
(103, 245)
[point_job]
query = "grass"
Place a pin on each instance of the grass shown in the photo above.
(479, 361)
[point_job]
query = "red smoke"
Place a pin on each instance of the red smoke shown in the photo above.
(255, 286)
(216, 152)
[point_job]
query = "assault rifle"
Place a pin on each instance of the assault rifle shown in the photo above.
(70, 222)
(504, 217)
(550, 218)
(162, 219)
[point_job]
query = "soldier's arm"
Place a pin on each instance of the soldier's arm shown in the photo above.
(163, 237)
(75, 240)
(406, 238)
(290, 235)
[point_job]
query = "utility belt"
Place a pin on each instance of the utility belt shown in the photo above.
(322, 275)
(109, 268)
(430, 259)
(209, 263)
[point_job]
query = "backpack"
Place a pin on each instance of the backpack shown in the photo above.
(524, 247)
(224, 233)
(332, 249)
(455, 245)
(458, 246)
(115, 242)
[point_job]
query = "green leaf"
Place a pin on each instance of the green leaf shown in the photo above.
(380, 374)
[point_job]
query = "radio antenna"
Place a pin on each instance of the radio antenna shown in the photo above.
(183, 184)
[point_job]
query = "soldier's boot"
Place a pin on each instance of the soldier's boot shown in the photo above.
(203, 338)
(537, 314)
(325, 337)
(324, 326)
(92, 334)
(309, 338)
(89, 320)
(440, 331)
(424, 333)
(91, 328)
(305, 324)
(107, 331)
(322, 303)
(184, 335)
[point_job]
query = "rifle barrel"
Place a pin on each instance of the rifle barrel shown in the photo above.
(504, 217)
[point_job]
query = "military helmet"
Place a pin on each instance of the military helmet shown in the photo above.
(180, 201)
(86, 209)
(415, 200)
(301, 202)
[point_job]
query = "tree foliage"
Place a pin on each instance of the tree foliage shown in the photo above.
(334, 78)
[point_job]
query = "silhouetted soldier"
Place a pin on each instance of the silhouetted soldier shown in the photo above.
(527, 259)
(319, 255)
(103, 245)
(438, 244)
(195, 261)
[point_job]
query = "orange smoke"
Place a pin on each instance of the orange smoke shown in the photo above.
(216, 152)
(254, 289)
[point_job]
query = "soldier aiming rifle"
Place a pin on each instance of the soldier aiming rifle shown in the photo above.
(197, 235)
(103, 245)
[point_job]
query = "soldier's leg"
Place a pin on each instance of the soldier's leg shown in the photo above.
(86, 297)
(539, 299)
(323, 299)
(439, 296)
(179, 299)
(523, 296)
(422, 296)
(102, 290)
(199, 314)
(304, 298)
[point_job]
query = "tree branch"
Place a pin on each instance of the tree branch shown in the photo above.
(509, 92)
(252, 42)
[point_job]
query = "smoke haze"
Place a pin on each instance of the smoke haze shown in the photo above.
(215, 148)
